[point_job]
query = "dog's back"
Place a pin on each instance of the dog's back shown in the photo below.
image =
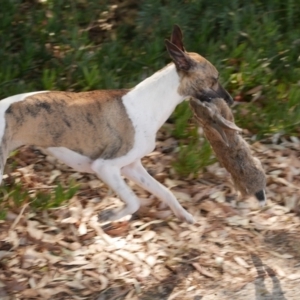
(93, 124)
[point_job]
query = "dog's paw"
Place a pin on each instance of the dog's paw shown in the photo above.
(107, 215)
(190, 219)
(186, 217)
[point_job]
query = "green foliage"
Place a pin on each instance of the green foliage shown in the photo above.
(193, 157)
(181, 117)
(2, 214)
(15, 195)
(43, 200)
(57, 44)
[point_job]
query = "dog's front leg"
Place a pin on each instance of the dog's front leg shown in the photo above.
(111, 175)
(137, 173)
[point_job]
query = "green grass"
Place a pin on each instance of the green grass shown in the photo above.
(56, 44)
(15, 195)
(192, 157)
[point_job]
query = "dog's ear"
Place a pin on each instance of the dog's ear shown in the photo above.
(180, 58)
(177, 37)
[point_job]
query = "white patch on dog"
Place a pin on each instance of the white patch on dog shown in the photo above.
(148, 106)
(72, 159)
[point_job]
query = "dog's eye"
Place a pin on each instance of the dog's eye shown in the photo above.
(215, 83)
(215, 80)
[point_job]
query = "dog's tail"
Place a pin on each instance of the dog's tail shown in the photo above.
(3, 144)
(2, 163)
(4, 104)
(6, 144)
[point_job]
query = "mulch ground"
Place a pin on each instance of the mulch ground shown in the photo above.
(235, 250)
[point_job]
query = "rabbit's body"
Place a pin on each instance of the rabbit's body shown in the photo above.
(231, 149)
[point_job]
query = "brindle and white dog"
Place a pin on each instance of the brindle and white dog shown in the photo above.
(107, 132)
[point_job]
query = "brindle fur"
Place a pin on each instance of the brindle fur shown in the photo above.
(94, 124)
(231, 149)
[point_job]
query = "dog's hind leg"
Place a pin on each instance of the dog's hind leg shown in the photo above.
(137, 173)
(111, 175)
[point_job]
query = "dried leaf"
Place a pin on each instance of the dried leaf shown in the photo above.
(203, 271)
(184, 197)
(294, 276)
(148, 235)
(66, 249)
(238, 221)
(53, 176)
(241, 261)
(285, 256)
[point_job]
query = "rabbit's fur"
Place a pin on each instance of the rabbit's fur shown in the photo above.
(231, 149)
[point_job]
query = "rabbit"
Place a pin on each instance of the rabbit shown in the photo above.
(233, 152)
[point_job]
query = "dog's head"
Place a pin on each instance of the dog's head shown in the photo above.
(198, 77)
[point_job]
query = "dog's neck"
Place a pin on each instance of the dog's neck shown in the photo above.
(155, 98)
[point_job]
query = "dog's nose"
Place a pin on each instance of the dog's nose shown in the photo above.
(225, 95)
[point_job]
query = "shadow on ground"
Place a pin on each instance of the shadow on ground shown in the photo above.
(261, 292)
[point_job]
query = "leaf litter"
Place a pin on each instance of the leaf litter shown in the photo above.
(64, 253)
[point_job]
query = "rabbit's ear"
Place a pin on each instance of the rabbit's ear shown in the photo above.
(220, 123)
(220, 132)
(226, 124)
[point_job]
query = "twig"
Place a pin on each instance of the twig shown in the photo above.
(19, 216)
